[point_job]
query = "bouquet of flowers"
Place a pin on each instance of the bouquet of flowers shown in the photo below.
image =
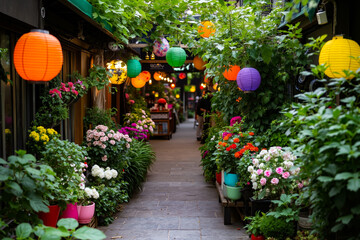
(104, 144)
(38, 138)
(139, 120)
(272, 173)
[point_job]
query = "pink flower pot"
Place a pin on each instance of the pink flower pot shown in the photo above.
(70, 211)
(50, 218)
(85, 213)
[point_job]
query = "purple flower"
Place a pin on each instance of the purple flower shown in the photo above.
(133, 124)
(234, 120)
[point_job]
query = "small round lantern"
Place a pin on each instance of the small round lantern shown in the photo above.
(182, 75)
(176, 56)
(118, 69)
(38, 56)
(199, 64)
(158, 76)
(206, 29)
(160, 47)
(231, 73)
(248, 79)
(172, 86)
(146, 75)
(337, 54)
(133, 68)
(138, 82)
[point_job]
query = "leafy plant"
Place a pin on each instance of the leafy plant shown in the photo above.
(254, 227)
(96, 116)
(286, 208)
(38, 138)
(98, 77)
(25, 187)
(66, 229)
(277, 228)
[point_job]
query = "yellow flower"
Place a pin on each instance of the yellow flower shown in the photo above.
(37, 138)
(7, 131)
(41, 129)
(44, 138)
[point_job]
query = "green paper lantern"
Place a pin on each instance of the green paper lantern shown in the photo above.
(133, 68)
(176, 56)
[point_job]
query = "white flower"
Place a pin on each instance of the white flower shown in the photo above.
(261, 165)
(114, 173)
(250, 169)
(255, 185)
(101, 173)
(288, 164)
(82, 186)
(88, 192)
(95, 193)
(108, 174)
(127, 145)
(255, 162)
(253, 177)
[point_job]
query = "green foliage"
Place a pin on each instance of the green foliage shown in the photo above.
(98, 77)
(38, 138)
(25, 187)
(107, 204)
(305, 235)
(67, 159)
(96, 116)
(254, 227)
(329, 146)
(286, 208)
(140, 156)
(66, 229)
(277, 228)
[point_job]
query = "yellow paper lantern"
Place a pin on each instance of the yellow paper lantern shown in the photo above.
(206, 29)
(138, 82)
(337, 54)
(118, 69)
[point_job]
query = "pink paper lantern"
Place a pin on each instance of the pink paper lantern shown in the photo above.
(160, 47)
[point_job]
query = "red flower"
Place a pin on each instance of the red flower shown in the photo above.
(251, 133)
(233, 146)
(236, 140)
(228, 148)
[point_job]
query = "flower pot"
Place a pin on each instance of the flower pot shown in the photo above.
(231, 179)
(85, 213)
(218, 177)
(304, 223)
(70, 211)
(50, 218)
(224, 191)
(260, 237)
(233, 193)
(262, 205)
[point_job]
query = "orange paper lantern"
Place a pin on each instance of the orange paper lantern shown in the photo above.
(158, 76)
(146, 75)
(206, 29)
(172, 85)
(38, 56)
(199, 64)
(231, 73)
(138, 82)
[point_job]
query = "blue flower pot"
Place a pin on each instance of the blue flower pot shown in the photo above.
(231, 179)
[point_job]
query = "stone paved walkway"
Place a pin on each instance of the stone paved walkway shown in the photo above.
(176, 202)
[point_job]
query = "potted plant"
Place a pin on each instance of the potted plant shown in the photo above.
(277, 228)
(86, 207)
(67, 159)
(254, 226)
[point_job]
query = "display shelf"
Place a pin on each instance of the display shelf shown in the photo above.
(163, 126)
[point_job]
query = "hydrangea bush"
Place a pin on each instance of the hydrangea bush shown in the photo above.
(106, 145)
(272, 173)
(100, 172)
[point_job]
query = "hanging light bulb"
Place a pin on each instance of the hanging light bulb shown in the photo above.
(150, 82)
(152, 56)
(147, 56)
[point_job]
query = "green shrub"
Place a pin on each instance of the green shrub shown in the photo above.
(277, 228)
(96, 116)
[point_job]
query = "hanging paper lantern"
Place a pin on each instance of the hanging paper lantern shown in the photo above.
(176, 56)
(158, 76)
(38, 56)
(138, 82)
(199, 64)
(248, 79)
(133, 68)
(161, 47)
(118, 69)
(182, 75)
(206, 29)
(231, 73)
(146, 75)
(337, 54)
(172, 85)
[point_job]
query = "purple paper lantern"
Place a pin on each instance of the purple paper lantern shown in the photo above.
(161, 47)
(248, 79)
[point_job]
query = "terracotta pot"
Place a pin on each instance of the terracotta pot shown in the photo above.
(50, 218)
(260, 237)
(86, 213)
(218, 177)
(70, 211)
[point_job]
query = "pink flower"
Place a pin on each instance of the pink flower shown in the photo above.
(267, 173)
(275, 181)
(104, 158)
(71, 85)
(279, 170)
(286, 175)
(131, 101)
(262, 181)
(103, 146)
(126, 96)
(259, 171)
(112, 142)
(75, 92)
(268, 158)
(300, 185)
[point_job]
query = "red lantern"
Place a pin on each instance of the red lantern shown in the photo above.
(38, 56)
(182, 75)
(231, 73)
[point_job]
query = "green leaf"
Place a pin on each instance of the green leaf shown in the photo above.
(15, 189)
(28, 184)
(266, 53)
(4, 173)
(343, 176)
(38, 206)
(85, 233)
(23, 231)
(345, 219)
(2, 161)
(68, 223)
(324, 179)
(353, 184)
(337, 227)
(356, 210)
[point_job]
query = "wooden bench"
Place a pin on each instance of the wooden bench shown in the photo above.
(241, 206)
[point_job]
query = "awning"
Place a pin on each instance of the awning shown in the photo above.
(310, 8)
